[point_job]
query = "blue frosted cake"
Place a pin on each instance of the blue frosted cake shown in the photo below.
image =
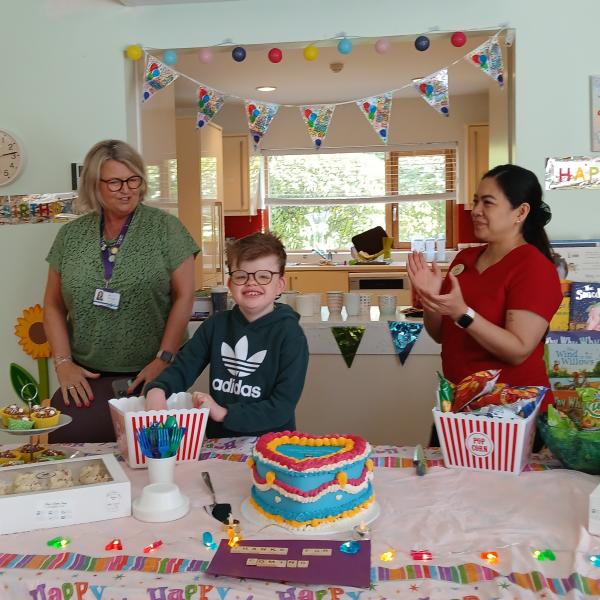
(301, 480)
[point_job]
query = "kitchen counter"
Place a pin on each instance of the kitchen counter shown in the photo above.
(377, 397)
(394, 266)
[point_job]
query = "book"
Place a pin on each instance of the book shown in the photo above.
(584, 312)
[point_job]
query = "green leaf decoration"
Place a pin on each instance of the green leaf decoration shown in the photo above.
(25, 386)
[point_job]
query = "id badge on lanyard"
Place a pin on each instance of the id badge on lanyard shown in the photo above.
(107, 297)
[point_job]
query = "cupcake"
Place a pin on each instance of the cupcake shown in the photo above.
(13, 410)
(20, 423)
(50, 454)
(12, 463)
(44, 416)
(30, 452)
(9, 456)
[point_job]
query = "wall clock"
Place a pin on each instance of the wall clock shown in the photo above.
(11, 157)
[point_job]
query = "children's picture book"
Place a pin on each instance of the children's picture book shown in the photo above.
(585, 306)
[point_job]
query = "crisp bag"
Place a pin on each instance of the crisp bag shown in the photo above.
(474, 386)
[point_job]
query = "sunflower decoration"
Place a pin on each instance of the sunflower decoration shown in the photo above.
(32, 338)
(30, 331)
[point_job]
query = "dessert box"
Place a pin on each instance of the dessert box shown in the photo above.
(68, 492)
(128, 415)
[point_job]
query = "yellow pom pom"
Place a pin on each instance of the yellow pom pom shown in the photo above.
(319, 442)
(294, 439)
(134, 52)
(250, 462)
(311, 53)
(326, 442)
(369, 464)
(270, 477)
(342, 478)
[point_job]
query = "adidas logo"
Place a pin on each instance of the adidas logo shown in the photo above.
(236, 360)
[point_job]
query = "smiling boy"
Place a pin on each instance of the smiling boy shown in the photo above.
(257, 351)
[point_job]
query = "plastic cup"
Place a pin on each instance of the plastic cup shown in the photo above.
(218, 296)
(387, 305)
(304, 306)
(352, 302)
(335, 301)
(161, 470)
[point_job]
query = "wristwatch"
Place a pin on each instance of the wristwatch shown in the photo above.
(165, 355)
(465, 320)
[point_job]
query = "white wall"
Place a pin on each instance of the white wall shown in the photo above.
(66, 85)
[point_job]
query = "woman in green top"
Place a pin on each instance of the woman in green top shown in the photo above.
(119, 293)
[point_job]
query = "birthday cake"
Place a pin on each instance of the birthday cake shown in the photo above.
(305, 481)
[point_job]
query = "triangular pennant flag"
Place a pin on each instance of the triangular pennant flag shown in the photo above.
(488, 57)
(348, 340)
(377, 110)
(404, 336)
(209, 104)
(434, 90)
(157, 77)
(260, 116)
(317, 119)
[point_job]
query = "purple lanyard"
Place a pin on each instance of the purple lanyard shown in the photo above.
(106, 250)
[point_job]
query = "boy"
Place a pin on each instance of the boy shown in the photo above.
(257, 351)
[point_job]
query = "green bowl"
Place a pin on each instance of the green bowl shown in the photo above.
(578, 450)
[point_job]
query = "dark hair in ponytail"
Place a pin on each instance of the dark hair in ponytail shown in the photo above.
(521, 185)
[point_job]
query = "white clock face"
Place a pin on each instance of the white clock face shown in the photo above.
(11, 157)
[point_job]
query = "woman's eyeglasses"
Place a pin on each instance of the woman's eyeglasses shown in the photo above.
(115, 185)
(261, 277)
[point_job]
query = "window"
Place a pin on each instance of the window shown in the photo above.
(162, 185)
(322, 200)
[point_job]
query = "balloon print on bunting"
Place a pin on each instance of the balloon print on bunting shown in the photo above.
(434, 90)
(209, 104)
(317, 119)
(157, 77)
(377, 110)
(488, 57)
(260, 116)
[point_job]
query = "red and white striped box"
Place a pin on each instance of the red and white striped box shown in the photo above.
(128, 415)
(485, 443)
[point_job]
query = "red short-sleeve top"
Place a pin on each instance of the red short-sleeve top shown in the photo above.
(523, 280)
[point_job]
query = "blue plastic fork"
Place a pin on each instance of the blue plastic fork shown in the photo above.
(163, 443)
(144, 443)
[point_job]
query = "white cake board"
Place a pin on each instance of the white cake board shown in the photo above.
(342, 526)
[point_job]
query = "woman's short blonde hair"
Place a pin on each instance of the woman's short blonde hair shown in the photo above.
(90, 198)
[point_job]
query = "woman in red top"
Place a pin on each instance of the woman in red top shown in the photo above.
(493, 309)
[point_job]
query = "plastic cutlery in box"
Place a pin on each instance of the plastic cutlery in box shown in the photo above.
(128, 415)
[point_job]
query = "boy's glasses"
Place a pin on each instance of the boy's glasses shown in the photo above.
(115, 185)
(261, 277)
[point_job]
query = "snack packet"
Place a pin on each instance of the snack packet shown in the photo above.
(445, 394)
(505, 394)
(589, 403)
(474, 386)
(560, 422)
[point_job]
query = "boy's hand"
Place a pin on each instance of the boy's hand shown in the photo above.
(215, 411)
(156, 399)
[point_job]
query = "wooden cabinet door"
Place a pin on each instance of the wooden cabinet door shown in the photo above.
(478, 151)
(318, 281)
(236, 176)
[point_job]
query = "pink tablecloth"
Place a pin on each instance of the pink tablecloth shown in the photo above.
(455, 514)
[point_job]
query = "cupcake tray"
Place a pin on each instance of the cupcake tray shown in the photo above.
(62, 421)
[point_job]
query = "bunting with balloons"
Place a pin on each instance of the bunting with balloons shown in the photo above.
(260, 115)
(377, 110)
(157, 77)
(209, 104)
(434, 90)
(488, 57)
(317, 119)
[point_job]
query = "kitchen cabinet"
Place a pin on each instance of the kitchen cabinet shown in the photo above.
(317, 281)
(478, 162)
(240, 176)
(199, 195)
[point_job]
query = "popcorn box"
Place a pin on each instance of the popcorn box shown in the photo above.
(55, 500)
(485, 443)
(128, 415)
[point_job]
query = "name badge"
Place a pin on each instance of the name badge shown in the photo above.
(106, 298)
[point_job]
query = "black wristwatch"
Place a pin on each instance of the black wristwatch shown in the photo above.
(465, 320)
(165, 355)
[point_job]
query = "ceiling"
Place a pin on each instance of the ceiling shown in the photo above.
(298, 81)
(167, 2)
